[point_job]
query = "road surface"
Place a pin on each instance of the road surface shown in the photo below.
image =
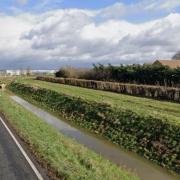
(13, 164)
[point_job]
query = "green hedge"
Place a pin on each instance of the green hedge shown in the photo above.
(156, 92)
(156, 139)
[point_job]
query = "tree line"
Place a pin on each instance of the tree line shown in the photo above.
(136, 74)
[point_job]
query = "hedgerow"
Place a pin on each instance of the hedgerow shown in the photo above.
(156, 92)
(154, 138)
(147, 74)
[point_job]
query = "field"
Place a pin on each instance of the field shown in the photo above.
(62, 155)
(142, 106)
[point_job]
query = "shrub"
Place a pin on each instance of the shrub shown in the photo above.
(62, 73)
(70, 72)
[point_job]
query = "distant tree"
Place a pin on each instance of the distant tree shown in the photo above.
(62, 73)
(28, 71)
(176, 56)
(139, 74)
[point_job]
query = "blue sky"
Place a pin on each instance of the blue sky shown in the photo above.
(92, 4)
(52, 33)
(12, 7)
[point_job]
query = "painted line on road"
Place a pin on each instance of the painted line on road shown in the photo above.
(22, 151)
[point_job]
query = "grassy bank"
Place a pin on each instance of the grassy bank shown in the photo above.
(64, 156)
(155, 137)
(141, 106)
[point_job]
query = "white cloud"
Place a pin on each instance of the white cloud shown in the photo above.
(74, 36)
(119, 9)
(164, 4)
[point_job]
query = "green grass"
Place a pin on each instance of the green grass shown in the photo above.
(143, 106)
(68, 158)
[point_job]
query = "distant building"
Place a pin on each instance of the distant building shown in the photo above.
(14, 72)
(25, 72)
(170, 63)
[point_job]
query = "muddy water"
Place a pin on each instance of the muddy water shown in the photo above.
(143, 168)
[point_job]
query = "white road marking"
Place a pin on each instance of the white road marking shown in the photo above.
(22, 151)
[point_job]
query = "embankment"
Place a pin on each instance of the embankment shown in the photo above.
(156, 139)
(62, 157)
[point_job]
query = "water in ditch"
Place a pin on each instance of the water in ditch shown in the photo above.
(143, 168)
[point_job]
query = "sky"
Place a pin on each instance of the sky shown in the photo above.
(48, 34)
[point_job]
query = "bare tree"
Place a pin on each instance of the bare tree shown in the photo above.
(28, 71)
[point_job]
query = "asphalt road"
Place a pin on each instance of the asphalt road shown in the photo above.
(13, 165)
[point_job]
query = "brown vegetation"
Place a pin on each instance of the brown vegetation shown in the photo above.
(71, 72)
(157, 92)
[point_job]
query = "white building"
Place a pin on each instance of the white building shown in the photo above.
(13, 72)
(25, 72)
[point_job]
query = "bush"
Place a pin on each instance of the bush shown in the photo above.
(62, 73)
(154, 138)
(70, 72)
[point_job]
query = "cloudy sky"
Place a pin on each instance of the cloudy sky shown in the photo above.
(47, 34)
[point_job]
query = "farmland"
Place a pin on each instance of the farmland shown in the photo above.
(147, 127)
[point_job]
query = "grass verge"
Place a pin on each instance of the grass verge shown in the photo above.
(66, 158)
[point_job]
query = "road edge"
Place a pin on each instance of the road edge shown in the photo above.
(37, 173)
